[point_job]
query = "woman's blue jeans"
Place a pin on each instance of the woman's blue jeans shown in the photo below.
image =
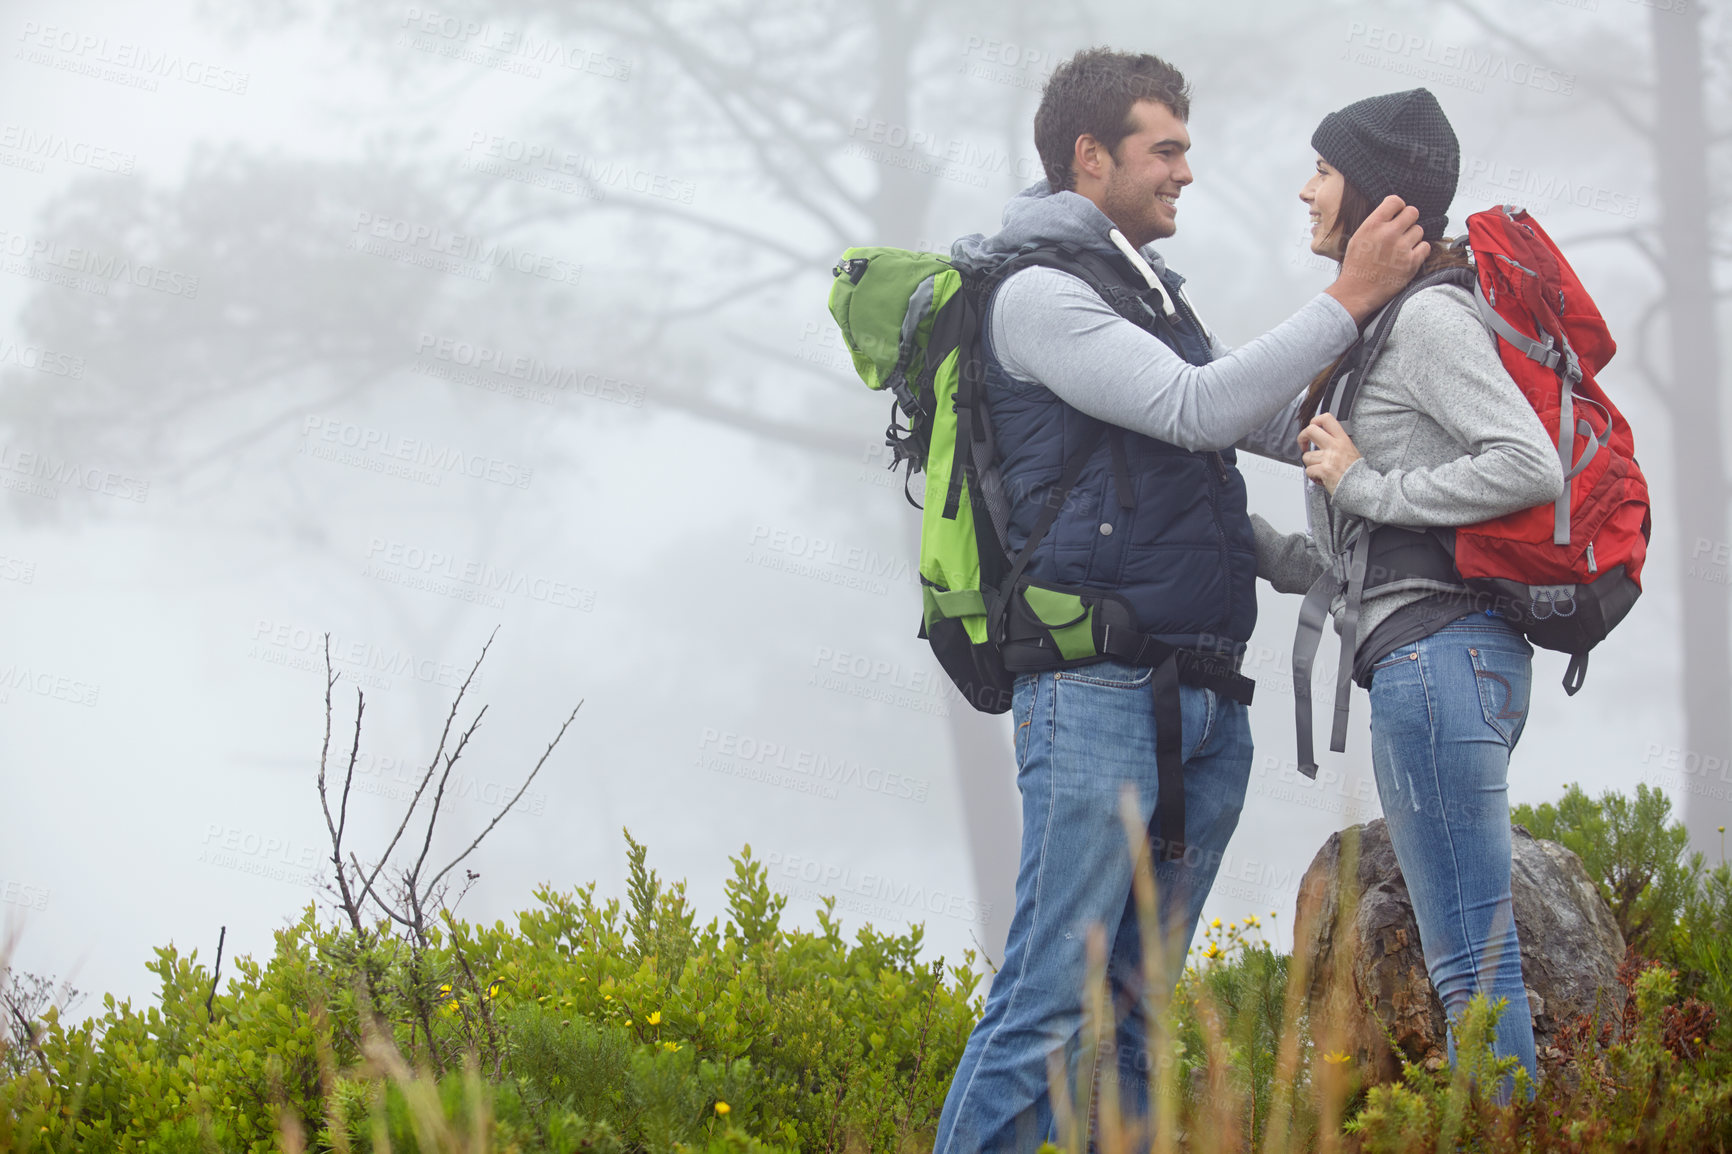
(1081, 734)
(1446, 711)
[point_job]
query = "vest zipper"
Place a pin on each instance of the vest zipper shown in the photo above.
(1215, 497)
(1219, 481)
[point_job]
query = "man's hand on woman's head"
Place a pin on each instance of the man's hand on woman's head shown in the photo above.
(1381, 258)
(1330, 451)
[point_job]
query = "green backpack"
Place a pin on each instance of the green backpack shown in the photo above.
(911, 321)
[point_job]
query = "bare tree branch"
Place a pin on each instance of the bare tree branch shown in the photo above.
(335, 828)
(520, 791)
(1604, 91)
(444, 735)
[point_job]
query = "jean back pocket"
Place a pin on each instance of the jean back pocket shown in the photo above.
(1504, 679)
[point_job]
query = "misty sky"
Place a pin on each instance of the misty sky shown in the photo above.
(408, 324)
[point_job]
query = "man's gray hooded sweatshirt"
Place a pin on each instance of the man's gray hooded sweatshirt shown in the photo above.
(1446, 438)
(1159, 519)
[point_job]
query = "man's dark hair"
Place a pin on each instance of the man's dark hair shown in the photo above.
(1092, 93)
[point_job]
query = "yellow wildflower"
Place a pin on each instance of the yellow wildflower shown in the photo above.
(655, 1019)
(721, 1107)
(1337, 1057)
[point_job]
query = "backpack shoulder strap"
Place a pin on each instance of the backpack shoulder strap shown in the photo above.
(1346, 387)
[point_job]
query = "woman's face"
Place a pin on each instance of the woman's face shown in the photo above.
(1322, 195)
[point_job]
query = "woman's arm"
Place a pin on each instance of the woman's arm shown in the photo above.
(1285, 560)
(1448, 364)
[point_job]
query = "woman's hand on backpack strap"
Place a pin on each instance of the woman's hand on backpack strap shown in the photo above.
(1329, 451)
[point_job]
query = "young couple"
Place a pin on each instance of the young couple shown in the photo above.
(1157, 515)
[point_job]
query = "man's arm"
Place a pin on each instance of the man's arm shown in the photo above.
(1050, 327)
(1278, 437)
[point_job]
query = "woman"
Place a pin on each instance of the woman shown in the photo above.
(1441, 437)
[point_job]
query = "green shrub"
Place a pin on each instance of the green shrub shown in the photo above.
(589, 1026)
(1636, 856)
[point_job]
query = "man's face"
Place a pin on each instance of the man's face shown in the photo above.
(1140, 186)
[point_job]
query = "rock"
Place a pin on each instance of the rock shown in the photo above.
(1570, 947)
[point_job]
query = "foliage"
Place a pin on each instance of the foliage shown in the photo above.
(1636, 857)
(1650, 1088)
(584, 1027)
(623, 1026)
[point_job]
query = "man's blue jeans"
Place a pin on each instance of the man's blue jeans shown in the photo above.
(1446, 711)
(1081, 734)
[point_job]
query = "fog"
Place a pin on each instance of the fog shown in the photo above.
(418, 326)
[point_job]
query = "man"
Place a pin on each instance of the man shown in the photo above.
(1155, 522)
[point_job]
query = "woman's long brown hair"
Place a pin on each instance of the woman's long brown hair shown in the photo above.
(1355, 209)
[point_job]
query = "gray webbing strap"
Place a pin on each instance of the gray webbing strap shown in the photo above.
(1566, 449)
(1349, 640)
(1595, 444)
(1313, 612)
(1534, 350)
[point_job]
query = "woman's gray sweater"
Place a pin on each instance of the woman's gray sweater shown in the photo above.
(1446, 438)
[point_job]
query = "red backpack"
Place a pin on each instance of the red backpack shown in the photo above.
(1581, 557)
(1564, 573)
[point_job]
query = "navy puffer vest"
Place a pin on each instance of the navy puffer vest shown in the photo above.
(1183, 553)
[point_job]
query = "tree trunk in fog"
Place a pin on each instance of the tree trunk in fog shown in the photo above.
(985, 770)
(1697, 521)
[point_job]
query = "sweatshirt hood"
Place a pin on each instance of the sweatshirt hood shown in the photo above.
(1037, 215)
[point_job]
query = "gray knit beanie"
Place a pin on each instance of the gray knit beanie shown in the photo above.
(1400, 143)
